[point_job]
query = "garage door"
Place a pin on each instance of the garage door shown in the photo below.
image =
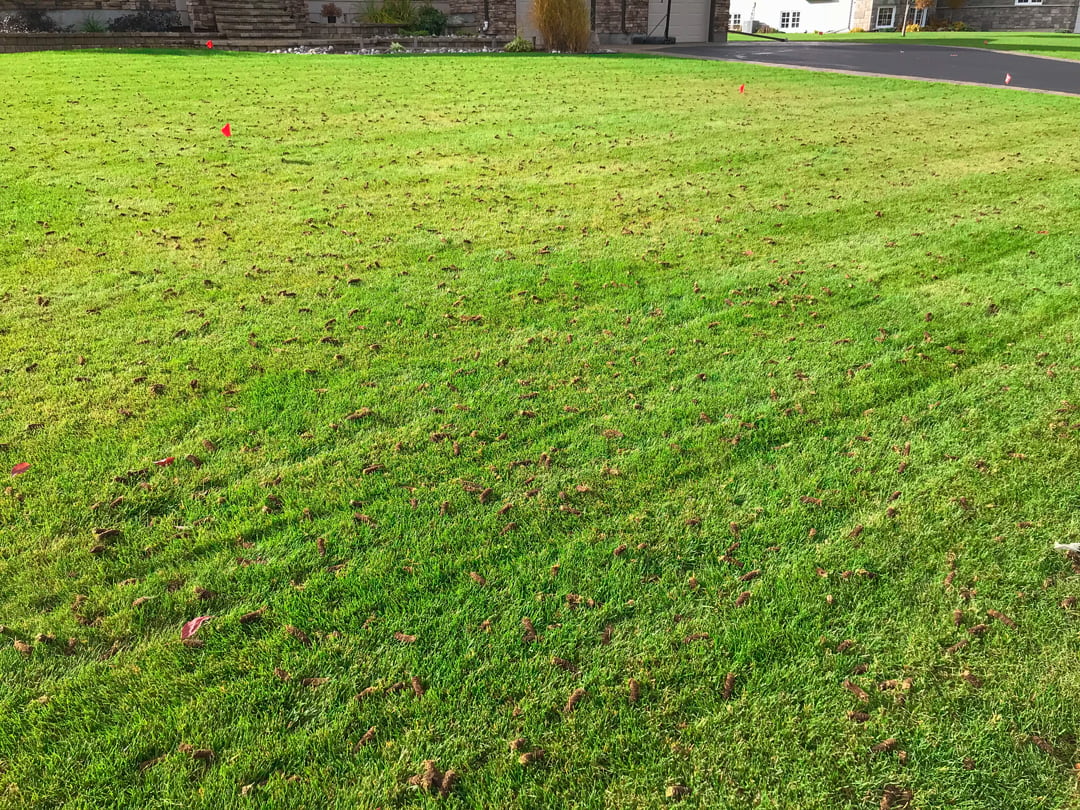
(689, 19)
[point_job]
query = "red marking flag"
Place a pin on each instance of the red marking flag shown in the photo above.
(209, 43)
(742, 88)
(165, 462)
(192, 627)
(1008, 78)
(226, 131)
(20, 468)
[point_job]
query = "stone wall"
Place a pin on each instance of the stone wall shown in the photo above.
(470, 14)
(51, 7)
(201, 15)
(862, 15)
(615, 18)
(23, 43)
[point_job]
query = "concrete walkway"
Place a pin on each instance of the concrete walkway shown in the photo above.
(897, 59)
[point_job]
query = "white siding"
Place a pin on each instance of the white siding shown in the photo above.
(826, 15)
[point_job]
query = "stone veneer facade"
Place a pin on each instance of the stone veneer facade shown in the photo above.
(1003, 15)
(613, 20)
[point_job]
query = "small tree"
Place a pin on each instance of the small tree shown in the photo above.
(920, 5)
(564, 24)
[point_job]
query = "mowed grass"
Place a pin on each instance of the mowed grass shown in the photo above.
(763, 402)
(1057, 45)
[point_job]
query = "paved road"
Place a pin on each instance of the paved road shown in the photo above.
(928, 62)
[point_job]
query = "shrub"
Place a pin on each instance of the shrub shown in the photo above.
(146, 21)
(396, 47)
(913, 28)
(92, 25)
(518, 45)
(959, 26)
(330, 10)
(12, 25)
(431, 21)
(29, 20)
(564, 24)
(857, 30)
(392, 12)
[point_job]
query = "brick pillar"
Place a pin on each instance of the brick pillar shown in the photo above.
(721, 13)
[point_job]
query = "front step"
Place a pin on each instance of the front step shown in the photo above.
(266, 19)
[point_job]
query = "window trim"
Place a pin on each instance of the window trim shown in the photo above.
(794, 18)
(735, 22)
(1028, 2)
(877, 17)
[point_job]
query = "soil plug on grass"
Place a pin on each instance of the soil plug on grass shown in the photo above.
(573, 700)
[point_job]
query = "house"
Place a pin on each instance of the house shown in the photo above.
(830, 16)
(614, 21)
(826, 16)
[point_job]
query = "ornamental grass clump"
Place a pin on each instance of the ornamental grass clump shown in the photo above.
(564, 24)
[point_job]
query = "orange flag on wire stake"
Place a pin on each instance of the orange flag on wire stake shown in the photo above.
(742, 88)
(226, 131)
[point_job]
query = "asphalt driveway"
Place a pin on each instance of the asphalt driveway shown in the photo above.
(899, 59)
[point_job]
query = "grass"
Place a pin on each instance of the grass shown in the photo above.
(608, 352)
(1060, 46)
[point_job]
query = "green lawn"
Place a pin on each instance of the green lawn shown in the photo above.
(1061, 46)
(781, 384)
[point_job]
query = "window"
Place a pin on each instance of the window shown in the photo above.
(885, 17)
(735, 22)
(1029, 2)
(789, 19)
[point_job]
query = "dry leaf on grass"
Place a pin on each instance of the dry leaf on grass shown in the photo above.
(404, 638)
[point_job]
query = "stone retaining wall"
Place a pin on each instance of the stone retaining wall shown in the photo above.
(23, 43)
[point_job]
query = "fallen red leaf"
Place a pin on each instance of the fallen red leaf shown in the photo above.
(165, 462)
(192, 627)
(20, 468)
